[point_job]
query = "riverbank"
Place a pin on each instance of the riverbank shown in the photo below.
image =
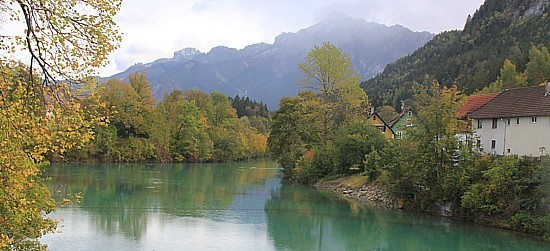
(356, 187)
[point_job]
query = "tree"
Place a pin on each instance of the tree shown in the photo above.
(186, 126)
(146, 101)
(509, 75)
(31, 129)
(387, 113)
(355, 141)
(295, 129)
(66, 42)
(303, 130)
(507, 189)
(328, 72)
(538, 68)
(424, 168)
(202, 100)
(437, 125)
(222, 109)
(185, 140)
(144, 91)
(125, 109)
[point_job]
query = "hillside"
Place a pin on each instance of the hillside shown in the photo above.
(472, 57)
(268, 72)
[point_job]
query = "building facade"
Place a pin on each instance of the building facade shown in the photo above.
(404, 120)
(463, 114)
(517, 121)
(375, 120)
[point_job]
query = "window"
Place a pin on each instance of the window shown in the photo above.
(399, 134)
(478, 143)
(517, 121)
(493, 144)
(409, 122)
(410, 113)
(508, 121)
(479, 123)
(534, 120)
(508, 150)
(495, 123)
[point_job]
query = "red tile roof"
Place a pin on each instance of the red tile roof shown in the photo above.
(473, 103)
(520, 102)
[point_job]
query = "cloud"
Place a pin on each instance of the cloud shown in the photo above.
(155, 29)
(202, 6)
(418, 15)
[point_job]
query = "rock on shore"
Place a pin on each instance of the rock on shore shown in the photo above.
(369, 194)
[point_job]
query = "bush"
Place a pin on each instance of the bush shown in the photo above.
(354, 142)
(535, 224)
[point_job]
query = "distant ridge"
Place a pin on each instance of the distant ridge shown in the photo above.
(268, 72)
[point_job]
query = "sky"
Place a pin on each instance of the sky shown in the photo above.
(156, 29)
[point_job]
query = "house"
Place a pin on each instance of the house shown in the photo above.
(463, 113)
(517, 121)
(473, 103)
(375, 120)
(404, 120)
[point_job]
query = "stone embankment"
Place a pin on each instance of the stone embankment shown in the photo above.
(369, 194)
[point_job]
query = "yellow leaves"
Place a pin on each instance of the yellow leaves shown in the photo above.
(26, 135)
(69, 39)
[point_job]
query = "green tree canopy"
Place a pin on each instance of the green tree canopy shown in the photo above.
(295, 129)
(509, 75)
(538, 68)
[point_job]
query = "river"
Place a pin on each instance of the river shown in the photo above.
(239, 206)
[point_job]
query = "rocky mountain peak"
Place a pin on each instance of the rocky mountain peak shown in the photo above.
(187, 54)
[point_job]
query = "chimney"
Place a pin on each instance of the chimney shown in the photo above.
(372, 110)
(547, 91)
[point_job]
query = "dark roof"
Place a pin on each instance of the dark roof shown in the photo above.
(473, 103)
(520, 102)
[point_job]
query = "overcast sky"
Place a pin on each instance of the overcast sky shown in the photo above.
(155, 29)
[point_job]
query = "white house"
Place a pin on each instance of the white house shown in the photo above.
(517, 121)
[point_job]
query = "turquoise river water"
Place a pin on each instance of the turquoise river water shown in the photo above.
(239, 206)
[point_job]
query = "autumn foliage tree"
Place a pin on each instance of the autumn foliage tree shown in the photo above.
(304, 129)
(328, 72)
(39, 113)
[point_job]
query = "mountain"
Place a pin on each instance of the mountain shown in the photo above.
(268, 72)
(470, 58)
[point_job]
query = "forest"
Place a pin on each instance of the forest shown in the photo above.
(499, 30)
(190, 126)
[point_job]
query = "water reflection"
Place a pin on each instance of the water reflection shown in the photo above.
(240, 206)
(120, 197)
(300, 218)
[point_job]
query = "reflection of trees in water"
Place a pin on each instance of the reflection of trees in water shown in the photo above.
(299, 218)
(120, 197)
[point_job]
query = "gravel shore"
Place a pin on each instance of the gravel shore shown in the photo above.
(370, 194)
